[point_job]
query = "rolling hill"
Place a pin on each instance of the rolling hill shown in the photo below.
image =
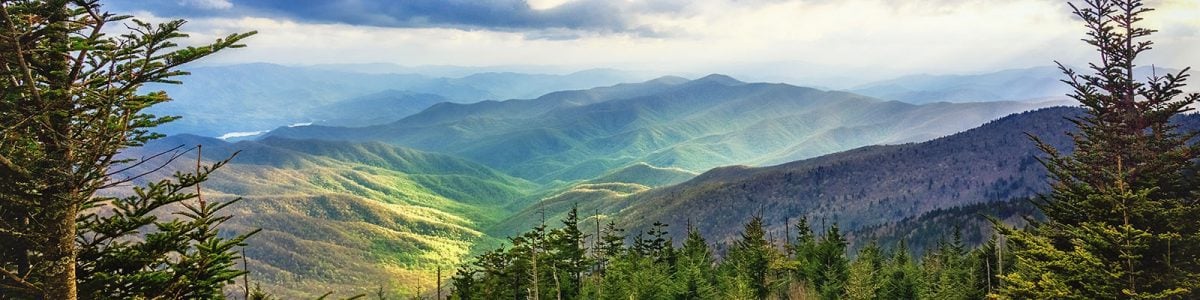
(348, 217)
(694, 125)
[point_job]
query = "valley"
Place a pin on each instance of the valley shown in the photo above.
(395, 200)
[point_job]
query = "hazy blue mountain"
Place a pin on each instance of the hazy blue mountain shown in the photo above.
(510, 85)
(448, 71)
(1015, 84)
(253, 97)
(1031, 84)
(250, 97)
(668, 122)
(374, 109)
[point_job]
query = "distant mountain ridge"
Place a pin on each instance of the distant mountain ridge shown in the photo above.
(266, 96)
(668, 122)
(379, 108)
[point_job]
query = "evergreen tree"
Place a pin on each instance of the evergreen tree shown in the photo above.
(831, 269)
(636, 276)
(695, 274)
(949, 271)
(1121, 215)
(655, 244)
(901, 278)
(610, 245)
(568, 256)
(866, 274)
(528, 267)
(70, 100)
(803, 266)
(464, 284)
(750, 258)
(990, 259)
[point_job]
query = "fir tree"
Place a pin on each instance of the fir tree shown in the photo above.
(464, 284)
(831, 269)
(866, 274)
(71, 99)
(655, 244)
(568, 256)
(750, 258)
(901, 278)
(497, 277)
(610, 245)
(949, 272)
(1121, 215)
(635, 276)
(695, 273)
(803, 266)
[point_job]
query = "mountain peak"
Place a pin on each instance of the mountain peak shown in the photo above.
(669, 80)
(720, 79)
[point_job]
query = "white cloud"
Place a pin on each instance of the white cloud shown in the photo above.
(545, 4)
(879, 36)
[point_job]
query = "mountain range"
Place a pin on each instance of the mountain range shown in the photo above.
(265, 96)
(378, 189)
(693, 125)
(867, 187)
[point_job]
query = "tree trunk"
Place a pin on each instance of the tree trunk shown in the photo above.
(60, 254)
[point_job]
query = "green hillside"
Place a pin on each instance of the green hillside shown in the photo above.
(349, 217)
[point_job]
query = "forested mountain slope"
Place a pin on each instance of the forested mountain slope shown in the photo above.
(871, 185)
(347, 217)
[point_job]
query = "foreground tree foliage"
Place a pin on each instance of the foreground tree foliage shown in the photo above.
(1121, 218)
(651, 266)
(69, 102)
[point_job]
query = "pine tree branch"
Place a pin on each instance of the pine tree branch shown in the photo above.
(7, 166)
(143, 174)
(20, 54)
(23, 284)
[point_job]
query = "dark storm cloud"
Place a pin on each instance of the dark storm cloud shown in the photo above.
(504, 15)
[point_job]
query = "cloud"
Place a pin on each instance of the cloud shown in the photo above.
(502, 15)
(792, 39)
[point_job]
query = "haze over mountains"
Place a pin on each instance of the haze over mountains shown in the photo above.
(1029, 84)
(391, 175)
(668, 122)
(265, 96)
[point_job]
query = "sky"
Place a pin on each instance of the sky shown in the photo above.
(771, 39)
